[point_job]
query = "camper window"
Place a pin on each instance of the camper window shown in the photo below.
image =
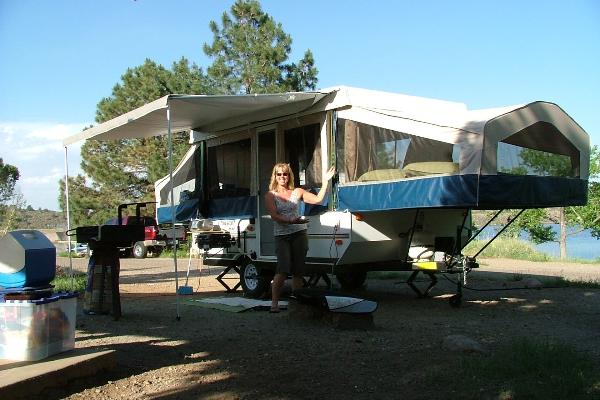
(229, 169)
(303, 153)
(516, 160)
(370, 153)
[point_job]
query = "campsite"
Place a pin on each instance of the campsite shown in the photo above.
(368, 164)
(256, 355)
(410, 171)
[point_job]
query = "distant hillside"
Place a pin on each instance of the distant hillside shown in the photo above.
(42, 219)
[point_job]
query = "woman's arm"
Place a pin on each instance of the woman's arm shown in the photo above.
(310, 198)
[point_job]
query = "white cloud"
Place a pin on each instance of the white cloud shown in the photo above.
(54, 177)
(36, 150)
(54, 132)
(30, 152)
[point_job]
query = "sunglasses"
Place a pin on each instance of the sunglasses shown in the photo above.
(282, 174)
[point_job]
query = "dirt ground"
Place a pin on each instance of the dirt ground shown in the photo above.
(214, 354)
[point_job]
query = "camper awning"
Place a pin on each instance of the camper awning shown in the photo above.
(199, 112)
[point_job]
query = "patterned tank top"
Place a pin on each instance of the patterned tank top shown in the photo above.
(288, 209)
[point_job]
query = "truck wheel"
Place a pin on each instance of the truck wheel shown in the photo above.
(350, 280)
(253, 282)
(139, 250)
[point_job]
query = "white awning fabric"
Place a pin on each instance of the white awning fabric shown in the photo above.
(198, 112)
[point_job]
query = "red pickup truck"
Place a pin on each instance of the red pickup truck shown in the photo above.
(152, 242)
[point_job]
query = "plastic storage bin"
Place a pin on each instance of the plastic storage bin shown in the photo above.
(33, 330)
(61, 322)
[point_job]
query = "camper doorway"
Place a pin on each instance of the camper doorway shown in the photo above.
(266, 161)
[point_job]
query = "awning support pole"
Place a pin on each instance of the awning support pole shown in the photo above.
(170, 146)
(68, 219)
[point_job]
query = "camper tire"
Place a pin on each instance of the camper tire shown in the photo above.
(139, 250)
(350, 280)
(254, 282)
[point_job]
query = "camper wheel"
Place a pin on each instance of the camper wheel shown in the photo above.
(253, 282)
(351, 279)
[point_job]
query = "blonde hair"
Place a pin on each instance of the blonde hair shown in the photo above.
(284, 168)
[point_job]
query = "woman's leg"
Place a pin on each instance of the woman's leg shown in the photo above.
(297, 283)
(278, 281)
(299, 248)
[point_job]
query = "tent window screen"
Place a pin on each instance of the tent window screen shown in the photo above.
(303, 152)
(370, 153)
(516, 160)
(539, 149)
(229, 169)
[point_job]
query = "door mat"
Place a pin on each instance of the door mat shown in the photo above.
(234, 304)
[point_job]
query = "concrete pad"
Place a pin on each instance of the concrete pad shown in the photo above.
(20, 379)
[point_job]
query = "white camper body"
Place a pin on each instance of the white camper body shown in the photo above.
(409, 172)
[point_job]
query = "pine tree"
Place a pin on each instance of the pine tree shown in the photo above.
(250, 51)
(124, 171)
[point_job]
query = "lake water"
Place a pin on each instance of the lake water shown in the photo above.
(581, 245)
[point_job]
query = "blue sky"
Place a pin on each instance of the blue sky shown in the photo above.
(60, 58)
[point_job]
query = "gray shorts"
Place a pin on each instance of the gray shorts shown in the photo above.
(291, 252)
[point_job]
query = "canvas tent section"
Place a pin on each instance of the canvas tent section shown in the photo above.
(523, 156)
(394, 151)
(184, 186)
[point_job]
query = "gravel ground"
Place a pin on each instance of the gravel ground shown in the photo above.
(213, 354)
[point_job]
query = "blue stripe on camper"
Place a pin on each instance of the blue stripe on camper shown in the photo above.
(232, 207)
(184, 212)
(465, 191)
(524, 191)
(444, 191)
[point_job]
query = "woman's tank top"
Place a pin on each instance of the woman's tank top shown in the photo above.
(288, 209)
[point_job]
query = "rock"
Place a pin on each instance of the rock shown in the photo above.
(462, 344)
(532, 283)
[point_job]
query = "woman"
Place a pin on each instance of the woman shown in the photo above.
(291, 242)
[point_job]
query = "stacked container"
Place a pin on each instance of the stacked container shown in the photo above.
(31, 330)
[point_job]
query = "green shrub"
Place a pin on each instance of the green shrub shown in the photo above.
(66, 283)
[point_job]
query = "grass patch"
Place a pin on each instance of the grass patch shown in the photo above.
(66, 254)
(524, 369)
(181, 253)
(517, 249)
(64, 283)
(507, 248)
(595, 284)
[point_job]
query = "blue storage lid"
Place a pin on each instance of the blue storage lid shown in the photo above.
(64, 295)
(37, 302)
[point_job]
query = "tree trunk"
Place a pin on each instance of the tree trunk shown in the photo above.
(563, 234)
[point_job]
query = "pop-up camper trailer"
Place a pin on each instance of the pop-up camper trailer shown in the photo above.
(409, 172)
